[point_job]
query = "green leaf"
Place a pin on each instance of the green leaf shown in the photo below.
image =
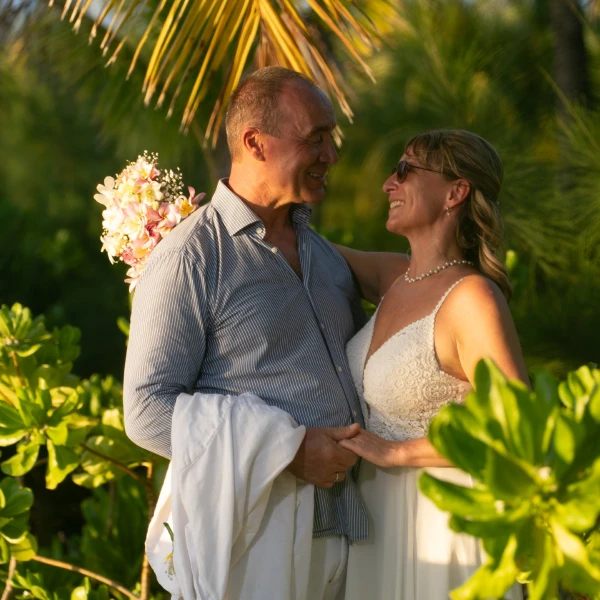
(15, 530)
(32, 414)
(18, 500)
(79, 593)
(577, 573)
(58, 434)
(507, 519)
(10, 417)
(23, 461)
(568, 435)
(78, 428)
(508, 478)
(459, 500)
(67, 407)
(594, 404)
(453, 433)
(8, 437)
(491, 580)
(4, 551)
(61, 462)
(26, 549)
(543, 580)
(580, 511)
(26, 350)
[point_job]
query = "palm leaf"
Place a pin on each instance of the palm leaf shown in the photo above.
(192, 43)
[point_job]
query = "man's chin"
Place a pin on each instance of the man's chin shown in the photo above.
(314, 196)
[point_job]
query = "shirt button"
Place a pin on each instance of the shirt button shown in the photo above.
(339, 369)
(322, 325)
(354, 413)
(274, 250)
(260, 231)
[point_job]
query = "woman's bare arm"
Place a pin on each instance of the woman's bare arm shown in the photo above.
(374, 271)
(483, 328)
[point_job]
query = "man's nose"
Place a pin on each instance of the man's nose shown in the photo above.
(329, 154)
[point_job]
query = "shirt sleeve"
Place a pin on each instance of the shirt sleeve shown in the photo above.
(167, 342)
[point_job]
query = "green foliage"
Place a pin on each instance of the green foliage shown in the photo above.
(72, 427)
(34, 586)
(15, 539)
(116, 520)
(536, 464)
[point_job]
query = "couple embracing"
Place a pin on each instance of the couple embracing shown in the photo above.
(245, 298)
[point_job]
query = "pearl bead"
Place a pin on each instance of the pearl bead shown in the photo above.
(450, 263)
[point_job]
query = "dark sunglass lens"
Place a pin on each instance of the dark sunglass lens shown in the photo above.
(402, 170)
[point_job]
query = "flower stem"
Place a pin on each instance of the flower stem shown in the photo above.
(69, 567)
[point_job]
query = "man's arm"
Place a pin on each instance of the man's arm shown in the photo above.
(167, 342)
(374, 271)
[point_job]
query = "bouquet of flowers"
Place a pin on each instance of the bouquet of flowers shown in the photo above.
(143, 205)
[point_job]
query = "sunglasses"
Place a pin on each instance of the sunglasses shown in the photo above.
(404, 168)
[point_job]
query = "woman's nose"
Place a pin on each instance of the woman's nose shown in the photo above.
(390, 184)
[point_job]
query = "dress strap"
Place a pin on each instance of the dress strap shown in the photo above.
(439, 304)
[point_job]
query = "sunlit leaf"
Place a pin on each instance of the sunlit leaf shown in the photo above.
(61, 462)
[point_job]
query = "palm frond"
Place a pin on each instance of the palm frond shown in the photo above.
(192, 43)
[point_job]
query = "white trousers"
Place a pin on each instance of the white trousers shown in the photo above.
(328, 563)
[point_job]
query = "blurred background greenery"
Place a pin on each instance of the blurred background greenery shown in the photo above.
(525, 74)
(487, 66)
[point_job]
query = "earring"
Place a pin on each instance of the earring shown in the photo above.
(448, 210)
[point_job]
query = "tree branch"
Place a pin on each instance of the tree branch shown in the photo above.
(151, 499)
(86, 573)
(117, 464)
(12, 567)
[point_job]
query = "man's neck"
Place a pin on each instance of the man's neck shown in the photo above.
(273, 212)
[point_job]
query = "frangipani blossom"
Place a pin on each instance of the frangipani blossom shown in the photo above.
(106, 195)
(171, 217)
(143, 204)
(188, 205)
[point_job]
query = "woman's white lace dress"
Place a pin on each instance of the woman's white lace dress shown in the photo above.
(411, 553)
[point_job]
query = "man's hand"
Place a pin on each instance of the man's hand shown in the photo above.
(320, 460)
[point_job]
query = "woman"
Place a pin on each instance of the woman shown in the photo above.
(439, 311)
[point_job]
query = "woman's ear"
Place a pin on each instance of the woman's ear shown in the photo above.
(253, 143)
(459, 192)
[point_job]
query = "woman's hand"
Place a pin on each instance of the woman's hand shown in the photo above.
(380, 452)
(385, 453)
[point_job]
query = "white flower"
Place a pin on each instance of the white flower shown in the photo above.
(113, 217)
(113, 245)
(106, 195)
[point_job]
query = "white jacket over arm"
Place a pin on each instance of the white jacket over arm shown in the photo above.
(242, 525)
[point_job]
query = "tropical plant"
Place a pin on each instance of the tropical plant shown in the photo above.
(535, 460)
(207, 40)
(54, 420)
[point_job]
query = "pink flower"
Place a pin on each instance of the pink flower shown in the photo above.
(171, 217)
(188, 205)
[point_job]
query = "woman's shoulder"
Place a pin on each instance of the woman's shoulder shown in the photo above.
(475, 298)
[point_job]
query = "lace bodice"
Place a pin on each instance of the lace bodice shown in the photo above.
(401, 387)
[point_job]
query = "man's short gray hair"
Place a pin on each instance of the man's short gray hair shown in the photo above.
(255, 103)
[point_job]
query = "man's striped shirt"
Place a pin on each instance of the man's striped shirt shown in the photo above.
(220, 310)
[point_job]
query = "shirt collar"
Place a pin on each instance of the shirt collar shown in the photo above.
(236, 215)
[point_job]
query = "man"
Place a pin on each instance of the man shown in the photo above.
(244, 297)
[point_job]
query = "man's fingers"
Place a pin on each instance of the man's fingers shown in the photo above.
(343, 433)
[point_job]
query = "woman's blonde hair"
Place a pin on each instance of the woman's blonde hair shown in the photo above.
(459, 154)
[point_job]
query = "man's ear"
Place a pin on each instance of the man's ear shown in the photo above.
(459, 192)
(253, 143)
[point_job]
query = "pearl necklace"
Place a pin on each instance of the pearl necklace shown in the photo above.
(450, 263)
